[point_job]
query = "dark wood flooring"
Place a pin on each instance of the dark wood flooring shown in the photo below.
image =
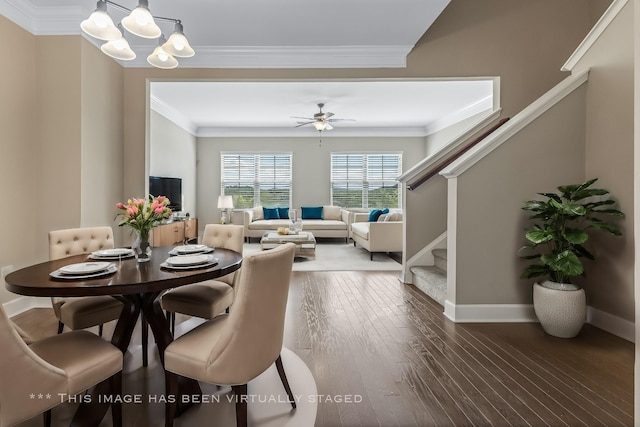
(383, 354)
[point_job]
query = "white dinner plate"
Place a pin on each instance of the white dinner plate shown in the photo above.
(105, 272)
(84, 268)
(191, 249)
(213, 261)
(115, 252)
(185, 260)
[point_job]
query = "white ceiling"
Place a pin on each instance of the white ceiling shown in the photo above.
(286, 34)
(260, 33)
(388, 107)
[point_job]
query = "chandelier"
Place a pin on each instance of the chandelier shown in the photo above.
(141, 23)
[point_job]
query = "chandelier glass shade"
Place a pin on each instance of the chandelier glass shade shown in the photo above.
(142, 23)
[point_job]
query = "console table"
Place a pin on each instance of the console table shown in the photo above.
(176, 232)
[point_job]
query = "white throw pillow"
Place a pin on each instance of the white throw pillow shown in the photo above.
(383, 217)
(393, 216)
(258, 213)
(331, 212)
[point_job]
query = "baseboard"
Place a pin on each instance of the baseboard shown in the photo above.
(612, 324)
(515, 313)
(22, 304)
(490, 313)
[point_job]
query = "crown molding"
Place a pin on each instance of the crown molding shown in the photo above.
(285, 57)
(483, 105)
(309, 132)
(173, 115)
(41, 21)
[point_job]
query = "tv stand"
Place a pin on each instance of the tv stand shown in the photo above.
(174, 233)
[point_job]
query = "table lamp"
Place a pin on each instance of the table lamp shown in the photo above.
(225, 203)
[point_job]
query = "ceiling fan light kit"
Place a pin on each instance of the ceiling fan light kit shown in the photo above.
(142, 23)
(320, 120)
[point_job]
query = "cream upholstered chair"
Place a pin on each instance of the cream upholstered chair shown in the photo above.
(84, 312)
(210, 298)
(35, 378)
(232, 349)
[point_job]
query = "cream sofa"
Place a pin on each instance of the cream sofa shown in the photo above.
(334, 223)
(384, 235)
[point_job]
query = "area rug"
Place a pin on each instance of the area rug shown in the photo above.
(336, 255)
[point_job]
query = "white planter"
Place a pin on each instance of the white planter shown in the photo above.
(561, 308)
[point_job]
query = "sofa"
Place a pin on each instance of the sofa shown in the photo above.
(385, 234)
(322, 221)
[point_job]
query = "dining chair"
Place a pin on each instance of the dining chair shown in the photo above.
(209, 298)
(86, 312)
(37, 377)
(83, 312)
(233, 348)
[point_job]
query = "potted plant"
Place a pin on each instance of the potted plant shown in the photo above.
(556, 241)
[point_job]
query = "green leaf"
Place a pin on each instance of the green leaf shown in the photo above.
(538, 236)
(534, 270)
(612, 212)
(575, 236)
(609, 228)
(583, 194)
(534, 205)
(553, 196)
(568, 263)
(582, 251)
(591, 206)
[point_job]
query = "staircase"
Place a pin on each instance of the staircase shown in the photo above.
(432, 280)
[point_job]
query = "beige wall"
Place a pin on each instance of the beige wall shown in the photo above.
(19, 158)
(58, 132)
(609, 157)
(490, 221)
(101, 138)
(172, 152)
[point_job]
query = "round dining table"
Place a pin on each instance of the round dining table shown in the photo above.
(138, 286)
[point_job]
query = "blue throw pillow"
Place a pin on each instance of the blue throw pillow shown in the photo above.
(270, 213)
(385, 210)
(283, 213)
(374, 215)
(312, 212)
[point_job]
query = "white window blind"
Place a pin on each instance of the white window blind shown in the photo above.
(366, 180)
(256, 179)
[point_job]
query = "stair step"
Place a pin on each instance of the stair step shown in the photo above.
(432, 281)
(440, 258)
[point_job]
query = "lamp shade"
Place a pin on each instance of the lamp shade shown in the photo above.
(141, 23)
(225, 202)
(100, 25)
(161, 59)
(177, 44)
(119, 49)
(320, 125)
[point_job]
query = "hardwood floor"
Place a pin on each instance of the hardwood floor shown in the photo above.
(383, 354)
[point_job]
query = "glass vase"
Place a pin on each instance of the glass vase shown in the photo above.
(141, 246)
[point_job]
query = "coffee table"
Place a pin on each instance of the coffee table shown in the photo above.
(305, 242)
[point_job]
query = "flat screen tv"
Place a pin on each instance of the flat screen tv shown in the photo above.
(169, 187)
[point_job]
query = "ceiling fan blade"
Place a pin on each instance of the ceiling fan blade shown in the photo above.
(304, 118)
(328, 115)
(304, 123)
(341, 120)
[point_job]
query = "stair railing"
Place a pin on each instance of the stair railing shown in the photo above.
(438, 167)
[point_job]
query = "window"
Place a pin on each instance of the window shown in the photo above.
(256, 179)
(366, 180)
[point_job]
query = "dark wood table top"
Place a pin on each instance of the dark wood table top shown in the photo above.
(131, 278)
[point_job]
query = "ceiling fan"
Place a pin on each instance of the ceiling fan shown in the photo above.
(320, 120)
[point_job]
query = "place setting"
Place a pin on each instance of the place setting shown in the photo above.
(191, 250)
(112, 254)
(189, 262)
(84, 270)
